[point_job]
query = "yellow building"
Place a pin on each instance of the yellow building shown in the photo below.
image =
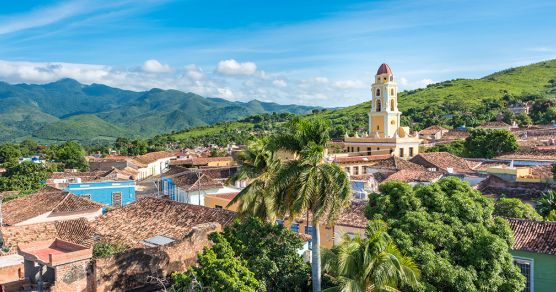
(384, 135)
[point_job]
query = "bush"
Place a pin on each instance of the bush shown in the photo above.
(515, 208)
(105, 249)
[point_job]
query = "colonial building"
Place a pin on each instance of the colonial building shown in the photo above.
(385, 135)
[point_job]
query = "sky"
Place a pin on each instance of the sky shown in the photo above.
(304, 52)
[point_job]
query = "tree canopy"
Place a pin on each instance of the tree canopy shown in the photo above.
(515, 208)
(489, 143)
(449, 230)
(70, 154)
(25, 177)
(9, 154)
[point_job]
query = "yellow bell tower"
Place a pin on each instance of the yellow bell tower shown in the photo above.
(384, 118)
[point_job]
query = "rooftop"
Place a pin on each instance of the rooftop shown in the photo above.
(396, 163)
(355, 159)
(410, 175)
(384, 69)
(189, 181)
(534, 236)
(153, 156)
(201, 160)
(494, 125)
(48, 199)
(432, 130)
(443, 161)
(150, 217)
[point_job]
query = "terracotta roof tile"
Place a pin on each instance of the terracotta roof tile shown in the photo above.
(226, 196)
(355, 159)
(48, 199)
(201, 160)
(354, 215)
(396, 163)
(409, 175)
(384, 69)
(193, 181)
(85, 176)
(432, 130)
(76, 231)
(149, 217)
(494, 125)
(153, 156)
(534, 236)
(442, 161)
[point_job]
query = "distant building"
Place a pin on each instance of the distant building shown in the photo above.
(433, 133)
(111, 193)
(153, 163)
(496, 126)
(385, 134)
(192, 187)
(443, 162)
(226, 161)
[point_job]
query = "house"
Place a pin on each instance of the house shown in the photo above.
(496, 126)
(111, 193)
(443, 162)
(364, 184)
(48, 204)
(226, 161)
(192, 187)
(534, 252)
(356, 165)
(153, 163)
(61, 180)
(413, 177)
(433, 133)
(221, 201)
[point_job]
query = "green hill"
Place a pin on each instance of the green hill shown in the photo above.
(451, 103)
(69, 110)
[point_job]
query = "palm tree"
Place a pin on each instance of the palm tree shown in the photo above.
(258, 165)
(308, 183)
(546, 203)
(370, 264)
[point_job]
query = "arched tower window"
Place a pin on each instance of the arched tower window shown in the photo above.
(378, 92)
(392, 91)
(391, 105)
(378, 105)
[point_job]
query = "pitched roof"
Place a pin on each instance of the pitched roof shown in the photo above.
(442, 161)
(355, 159)
(226, 196)
(534, 236)
(410, 175)
(48, 199)
(76, 231)
(149, 217)
(85, 176)
(354, 215)
(494, 125)
(432, 130)
(201, 160)
(396, 163)
(153, 156)
(194, 181)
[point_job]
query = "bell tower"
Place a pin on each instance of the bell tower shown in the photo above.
(384, 118)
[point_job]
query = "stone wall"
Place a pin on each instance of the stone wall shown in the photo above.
(76, 276)
(132, 268)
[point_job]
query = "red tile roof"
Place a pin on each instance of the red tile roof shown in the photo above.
(150, 217)
(384, 69)
(396, 163)
(226, 196)
(189, 181)
(354, 215)
(46, 200)
(201, 160)
(494, 125)
(534, 236)
(409, 175)
(442, 161)
(153, 156)
(432, 130)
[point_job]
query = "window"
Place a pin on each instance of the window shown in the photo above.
(86, 196)
(368, 150)
(217, 206)
(358, 149)
(356, 170)
(411, 151)
(526, 268)
(347, 169)
(378, 105)
(392, 91)
(116, 199)
(378, 92)
(294, 227)
(401, 152)
(392, 105)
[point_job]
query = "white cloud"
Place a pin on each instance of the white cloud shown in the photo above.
(403, 81)
(194, 72)
(350, 84)
(233, 67)
(425, 82)
(154, 66)
(319, 79)
(280, 83)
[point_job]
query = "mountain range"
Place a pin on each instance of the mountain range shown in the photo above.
(68, 110)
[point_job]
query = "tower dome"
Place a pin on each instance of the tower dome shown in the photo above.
(384, 69)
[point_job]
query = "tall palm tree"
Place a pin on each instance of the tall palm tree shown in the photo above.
(258, 166)
(370, 264)
(308, 183)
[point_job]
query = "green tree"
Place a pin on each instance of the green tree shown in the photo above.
(137, 147)
(370, 264)
(489, 143)
(258, 166)
(271, 252)
(546, 203)
(456, 147)
(448, 228)
(523, 120)
(26, 177)
(218, 269)
(28, 147)
(515, 208)
(70, 154)
(554, 171)
(9, 154)
(309, 183)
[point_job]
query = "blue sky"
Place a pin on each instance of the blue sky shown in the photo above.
(306, 52)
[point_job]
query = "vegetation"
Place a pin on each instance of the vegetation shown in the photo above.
(271, 253)
(371, 264)
(69, 154)
(546, 203)
(105, 249)
(489, 143)
(9, 154)
(24, 177)
(449, 230)
(515, 208)
(218, 269)
(456, 147)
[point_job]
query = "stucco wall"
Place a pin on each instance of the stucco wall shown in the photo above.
(544, 270)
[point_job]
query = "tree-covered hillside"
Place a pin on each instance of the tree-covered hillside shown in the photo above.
(453, 103)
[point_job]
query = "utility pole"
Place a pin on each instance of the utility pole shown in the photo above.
(1, 215)
(199, 184)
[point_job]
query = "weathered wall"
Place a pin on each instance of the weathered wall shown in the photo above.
(132, 268)
(11, 273)
(74, 277)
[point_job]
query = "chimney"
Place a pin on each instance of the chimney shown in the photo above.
(450, 169)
